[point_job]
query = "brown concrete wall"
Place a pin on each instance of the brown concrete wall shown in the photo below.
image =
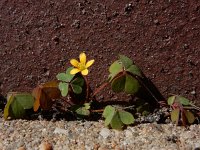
(37, 39)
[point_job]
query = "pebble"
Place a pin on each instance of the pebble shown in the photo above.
(45, 135)
(105, 133)
(60, 131)
(46, 146)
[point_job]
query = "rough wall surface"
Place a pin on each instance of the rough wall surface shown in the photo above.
(37, 39)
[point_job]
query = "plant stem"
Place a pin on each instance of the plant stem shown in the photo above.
(100, 88)
(98, 111)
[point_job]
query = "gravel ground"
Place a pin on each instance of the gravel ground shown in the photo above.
(65, 135)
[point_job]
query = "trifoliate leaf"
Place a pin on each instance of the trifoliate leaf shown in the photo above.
(131, 85)
(44, 94)
(175, 115)
(135, 70)
(76, 88)
(7, 108)
(108, 113)
(126, 117)
(171, 100)
(69, 76)
(126, 62)
(108, 110)
(183, 100)
(78, 81)
(87, 105)
(190, 117)
(17, 104)
(115, 68)
(118, 83)
(64, 88)
(62, 77)
(83, 111)
(116, 122)
(66, 77)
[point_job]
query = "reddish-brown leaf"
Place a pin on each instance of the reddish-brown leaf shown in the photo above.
(183, 118)
(44, 94)
(36, 93)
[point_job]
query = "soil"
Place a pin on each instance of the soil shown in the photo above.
(38, 38)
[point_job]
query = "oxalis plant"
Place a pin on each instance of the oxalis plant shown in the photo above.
(73, 86)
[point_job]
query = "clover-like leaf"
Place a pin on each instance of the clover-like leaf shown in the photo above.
(183, 100)
(171, 100)
(126, 117)
(114, 69)
(66, 77)
(76, 88)
(126, 62)
(131, 85)
(87, 105)
(135, 70)
(83, 111)
(44, 94)
(116, 122)
(175, 115)
(62, 77)
(125, 82)
(78, 81)
(190, 117)
(64, 88)
(17, 105)
(118, 83)
(108, 113)
(7, 109)
(117, 118)
(108, 110)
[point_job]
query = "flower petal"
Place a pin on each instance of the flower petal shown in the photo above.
(74, 71)
(84, 72)
(82, 58)
(74, 62)
(89, 63)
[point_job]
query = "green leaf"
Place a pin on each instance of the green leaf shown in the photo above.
(126, 62)
(62, 77)
(66, 77)
(190, 117)
(64, 88)
(108, 113)
(115, 68)
(76, 89)
(132, 85)
(118, 83)
(87, 105)
(135, 70)
(108, 110)
(175, 115)
(171, 100)
(183, 100)
(116, 123)
(7, 109)
(126, 117)
(69, 76)
(17, 104)
(78, 81)
(83, 111)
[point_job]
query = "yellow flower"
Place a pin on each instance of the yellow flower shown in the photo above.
(81, 66)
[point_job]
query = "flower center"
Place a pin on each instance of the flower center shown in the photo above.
(81, 66)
